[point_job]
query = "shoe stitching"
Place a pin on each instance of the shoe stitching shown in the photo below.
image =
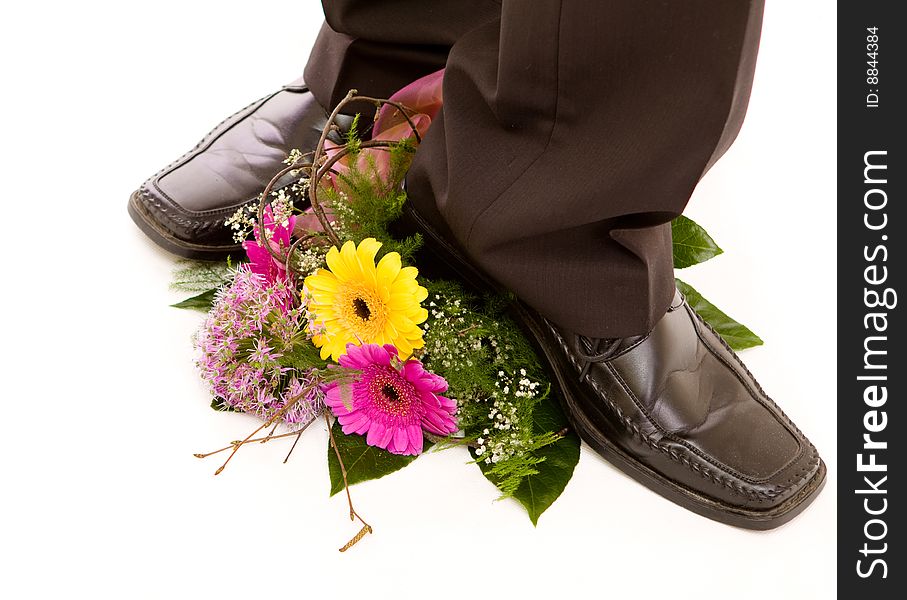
(754, 393)
(167, 210)
(165, 202)
(206, 138)
(750, 494)
(758, 394)
(749, 382)
(690, 447)
(807, 470)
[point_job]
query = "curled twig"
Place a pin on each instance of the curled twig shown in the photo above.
(404, 110)
(317, 158)
(265, 201)
(320, 166)
(315, 180)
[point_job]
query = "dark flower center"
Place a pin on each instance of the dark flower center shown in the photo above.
(390, 392)
(361, 309)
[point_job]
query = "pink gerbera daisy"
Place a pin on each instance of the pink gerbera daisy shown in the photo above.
(390, 402)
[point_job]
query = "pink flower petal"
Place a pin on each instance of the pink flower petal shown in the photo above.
(355, 422)
(439, 423)
(363, 427)
(378, 355)
(385, 439)
(356, 357)
(333, 399)
(430, 400)
(401, 440)
(447, 404)
(352, 417)
(307, 222)
(260, 260)
(439, 384)
(414, 372)
(424, 95)
(416, 439)
(376, 434)
(398, 432)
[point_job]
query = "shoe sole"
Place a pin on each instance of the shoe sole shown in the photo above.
(168, 242)
(687, 498)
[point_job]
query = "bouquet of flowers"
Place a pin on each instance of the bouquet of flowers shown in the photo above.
(329, 317)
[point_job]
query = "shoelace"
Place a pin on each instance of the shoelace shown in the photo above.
(612, 345)
(597, 354)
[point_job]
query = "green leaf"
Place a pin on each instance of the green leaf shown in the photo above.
(539, 491)
(302, 357)
(219, 405)
(200, 276)
(353, 141)
(738, 336)
(201, 302)
(363, 462)
(692, 245)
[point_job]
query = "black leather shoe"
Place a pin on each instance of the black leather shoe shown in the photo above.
(184, 205)
(675, 409)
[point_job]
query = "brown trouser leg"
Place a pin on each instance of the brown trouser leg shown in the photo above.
(377, 47)
(571, 133)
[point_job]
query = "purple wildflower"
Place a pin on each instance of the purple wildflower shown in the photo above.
(252, 324)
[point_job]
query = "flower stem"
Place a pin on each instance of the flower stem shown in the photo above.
(463, 332)
(456, 441)
(270, 435)
(296, 441)
(275, 418)
(366, 528)
(232, 444)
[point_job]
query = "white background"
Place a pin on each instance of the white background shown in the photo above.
(101, 496)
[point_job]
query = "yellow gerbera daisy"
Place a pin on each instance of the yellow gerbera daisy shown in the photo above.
(354, 300)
